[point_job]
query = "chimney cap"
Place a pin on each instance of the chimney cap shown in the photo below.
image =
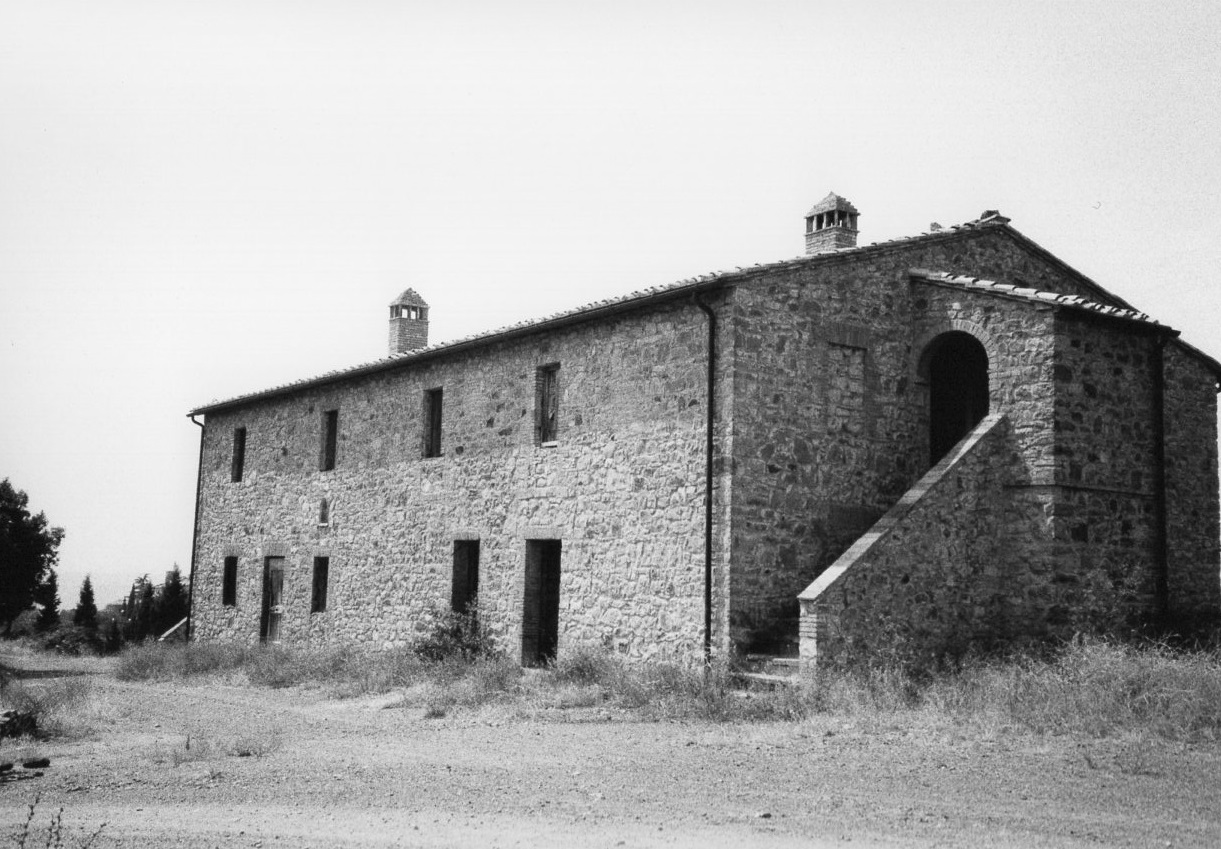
(409, 298)
(832, 202)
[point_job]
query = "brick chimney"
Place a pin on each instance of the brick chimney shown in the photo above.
(831, 225)
(408, 323)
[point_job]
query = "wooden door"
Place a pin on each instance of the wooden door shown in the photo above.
(273, 607)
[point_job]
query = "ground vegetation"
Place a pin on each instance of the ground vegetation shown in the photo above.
(1096, 743)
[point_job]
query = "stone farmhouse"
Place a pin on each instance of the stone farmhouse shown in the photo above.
(946, 440)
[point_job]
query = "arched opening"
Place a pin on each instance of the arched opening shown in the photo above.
(957, 372)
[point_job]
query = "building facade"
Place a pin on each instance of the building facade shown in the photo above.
(941, 441)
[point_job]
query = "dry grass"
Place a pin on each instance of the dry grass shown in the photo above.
(193, 749)
(1090, 688)
(1094, 688)
(62, 707)
(189, 750)
(173, 661)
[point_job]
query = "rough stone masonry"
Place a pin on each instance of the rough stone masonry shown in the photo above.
(737, 461)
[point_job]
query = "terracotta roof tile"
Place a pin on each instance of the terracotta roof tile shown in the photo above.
(1029, 294)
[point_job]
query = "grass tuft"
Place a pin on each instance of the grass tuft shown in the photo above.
(60, 706)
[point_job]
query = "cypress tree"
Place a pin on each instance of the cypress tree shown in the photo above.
(47, 595)
(86, 615)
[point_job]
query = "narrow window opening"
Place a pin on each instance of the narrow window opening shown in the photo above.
(330, 439)
(432, 422)
(324, 512)
(547, 402)
(541, 610)
(228, 592)
(239, 454)
(322, 566)
(466, 575)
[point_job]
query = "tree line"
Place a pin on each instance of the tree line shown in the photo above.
(29, 552)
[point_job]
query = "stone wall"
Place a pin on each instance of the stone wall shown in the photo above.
(822, 426)
(1047, 526)
(932, 576)
(1105, 555)
(831, 413)
(1191, 490)
(623, 488)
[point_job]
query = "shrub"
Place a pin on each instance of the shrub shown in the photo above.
(74, 640)
(446, 634)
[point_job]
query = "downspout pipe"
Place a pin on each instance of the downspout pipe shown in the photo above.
(195, 533)
(708, 476)
(1161, 558)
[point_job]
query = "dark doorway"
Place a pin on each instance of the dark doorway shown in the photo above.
(273, 609)
(540, 626)
(958, 390)
(466, 575)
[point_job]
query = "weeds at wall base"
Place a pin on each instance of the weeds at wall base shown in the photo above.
(1088, 687)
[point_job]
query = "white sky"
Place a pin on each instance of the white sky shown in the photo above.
(203, 199)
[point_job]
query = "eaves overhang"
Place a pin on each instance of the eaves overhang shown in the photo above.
(1090, 310)
(592, 312)
(1042, 299)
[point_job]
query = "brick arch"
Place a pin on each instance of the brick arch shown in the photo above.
(940, 408)
(919, 360)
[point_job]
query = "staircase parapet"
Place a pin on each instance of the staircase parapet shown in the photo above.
(873, 596)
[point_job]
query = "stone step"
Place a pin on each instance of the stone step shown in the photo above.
(764, 681)
(764, 671)
(779, 664)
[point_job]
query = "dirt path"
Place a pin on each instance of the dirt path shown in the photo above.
(322, 773)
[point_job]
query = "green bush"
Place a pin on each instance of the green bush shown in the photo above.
(74, 640)
(447, 634)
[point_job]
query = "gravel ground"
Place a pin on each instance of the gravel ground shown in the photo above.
(293, 768)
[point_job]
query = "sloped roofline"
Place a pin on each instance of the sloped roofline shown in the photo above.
(677, 291)
(1010, 291)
